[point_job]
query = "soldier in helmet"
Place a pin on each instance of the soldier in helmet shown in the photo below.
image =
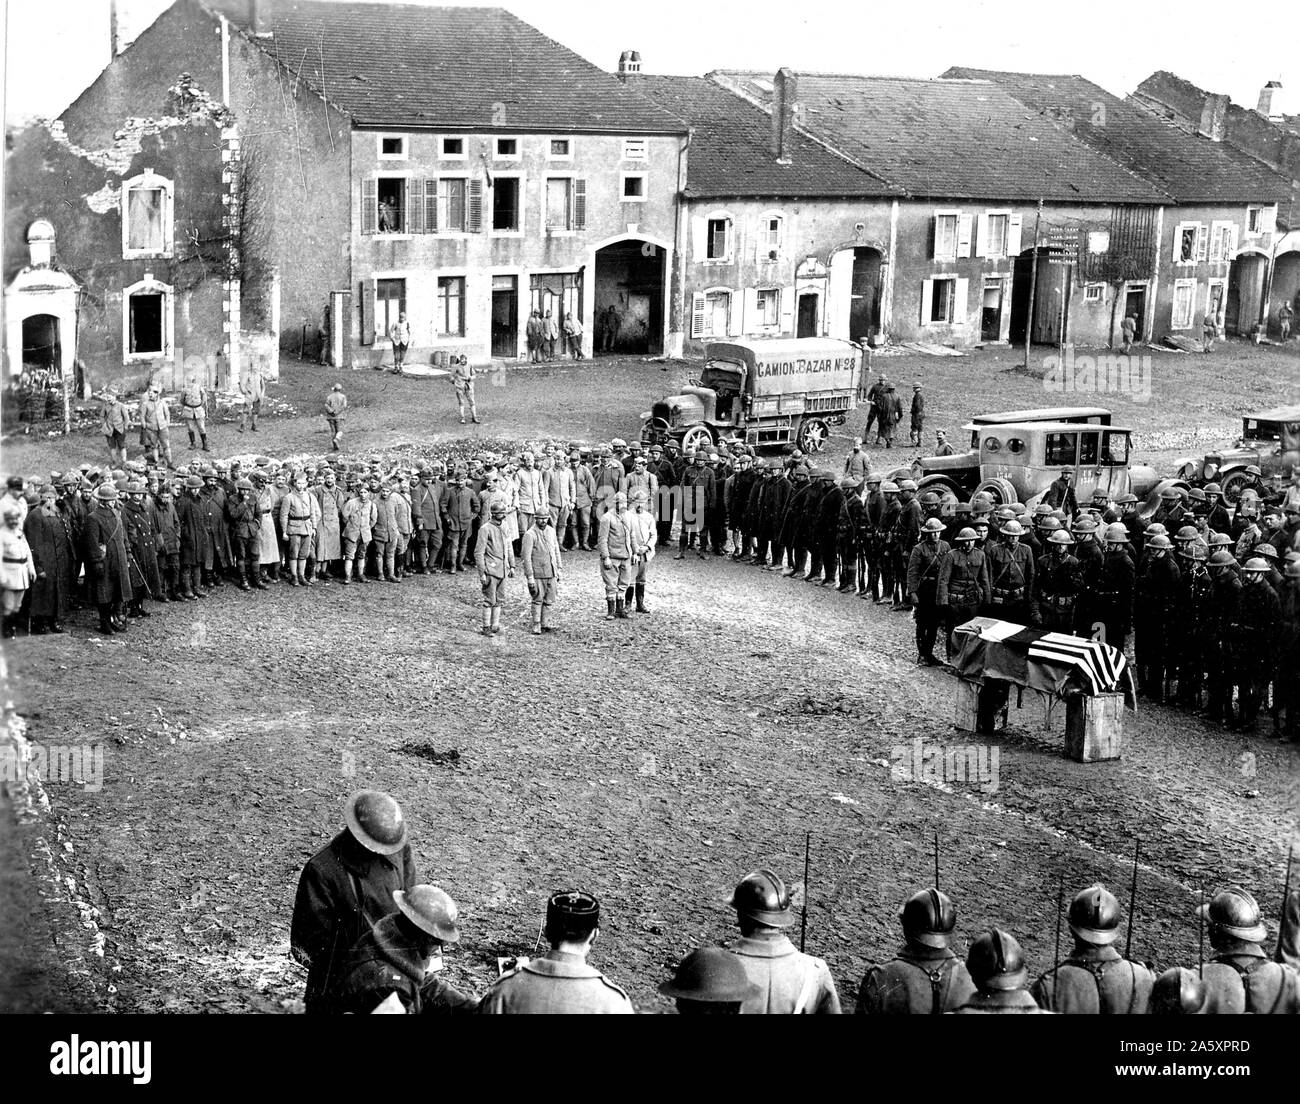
(710, 981)
(562, 981)
(400, 957)
(850, 523)
(1112, 598)
(1155, 617)
(788, 980)
(923, 567)
(775, 504)
(346, 888)
(996, 965)
(1251, 634)
(906, 532)
(1011, 575)
(1170, 509)
(1240, 978)
(963, 584)
(1286, 665)
(925, 977)
(494, 559)
(1095, 978)
(1134, 525)
(1216, 515)
(1225, 593)
(871, 538)
(1057, 579)
(1178, 992)
(1191, 642)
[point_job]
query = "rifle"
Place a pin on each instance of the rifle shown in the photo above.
(1056, 955)
(1132, 898)
(1200, 935)
(936, 858)
(803, 921)
(1286, 892)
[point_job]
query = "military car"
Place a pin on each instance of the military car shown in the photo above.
(767, 393)
(1270, 440)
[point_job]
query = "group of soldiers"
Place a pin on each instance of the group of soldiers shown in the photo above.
(372, 936)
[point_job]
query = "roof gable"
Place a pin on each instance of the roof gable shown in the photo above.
(407, 65)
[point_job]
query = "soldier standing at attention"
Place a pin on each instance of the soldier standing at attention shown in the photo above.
(997, 967)
(615, 545)
(335, 404)
(1240, 978)
(495, 560)
(194, 411)
(17, 568)
(963, 584)
(1057, 579)
(1253, 631)
(925, 977)
(562, 981)
(1113, 598)
(789, 981)
(918, 413)
(923, 567)
(540, 555)
(1095, 978)
(1011, 575)
(346, 888)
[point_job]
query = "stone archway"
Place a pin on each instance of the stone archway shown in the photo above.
(628, 302)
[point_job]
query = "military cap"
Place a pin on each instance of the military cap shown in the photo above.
(1266, 550)
(1253, 469)
(1124, 499)
(193, 482)
(932, 525)
(571, 914)
(1013, 528)
(106, 492)
(243, 484)
(262, 461)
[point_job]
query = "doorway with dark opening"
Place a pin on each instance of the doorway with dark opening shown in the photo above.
(629, 299)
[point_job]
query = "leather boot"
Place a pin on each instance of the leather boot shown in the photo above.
(105, 621)
(537, 620)
(8, 628)
(347, 572)
(627, 596)
(609, 609)
(620, 608)
(487, 622)
(55, 627)
(640, 599)
(496, 619)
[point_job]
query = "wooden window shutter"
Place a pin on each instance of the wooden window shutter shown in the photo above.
(927, 300)
(961, 304)
(430, 206)
(750, 322)
(580, 203)
(369, 206)
(982, 236)
(787, 309)
(697, 314)
(367, 312)
(963, 236)
(474, 206)
(414, 206)
(735, 324)
(1202, 241)
(1013, 236)
(699, 238)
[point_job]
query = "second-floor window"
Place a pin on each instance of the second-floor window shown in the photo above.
(1255, 220)
(995, 244)
(566, 203)
(945, 237)
(768, 246)
(401, 205)
(507, 211)
(718, 247)
(147, 215)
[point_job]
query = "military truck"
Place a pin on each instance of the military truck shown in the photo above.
(767, 393)
(1270, 440)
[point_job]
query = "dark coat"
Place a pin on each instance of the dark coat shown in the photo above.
(243, 519)
(142, 539)
(920, 981)
(343, 892)
(196, 538)
(103, 545)
(1095, 981)
(50, 538)
(382, 962)
(168, 528)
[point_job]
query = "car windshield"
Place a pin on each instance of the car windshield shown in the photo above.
(1254, 430)
(721, 376)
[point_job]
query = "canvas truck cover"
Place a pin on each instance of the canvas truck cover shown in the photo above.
(791, 365)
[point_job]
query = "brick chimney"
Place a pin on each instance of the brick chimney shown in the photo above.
(1214, 117)
(629, 66)
(114, 39)
(1265, 105)
(785, 109)
(256, 25)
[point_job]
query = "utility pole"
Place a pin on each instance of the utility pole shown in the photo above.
(1033, 287)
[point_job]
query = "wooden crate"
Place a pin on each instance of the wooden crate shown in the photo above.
(966, 711)
(974, 699)
(1094, 727)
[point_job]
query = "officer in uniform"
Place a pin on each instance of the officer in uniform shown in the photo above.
(923, 567)
(1240, 978)
(996, 965)
(1224, 595)
(788, 981)
(963, 584)
(562, 981)
(710, 981)
(1112, 600)
(399, 958)
(1155, 617)
(925, 977)
(1095, 978)
(104, 550)
(1252, 632)
(1057, 579)
(1011, 575)
(346, 888)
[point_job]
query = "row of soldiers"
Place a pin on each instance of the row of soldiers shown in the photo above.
(372, 936)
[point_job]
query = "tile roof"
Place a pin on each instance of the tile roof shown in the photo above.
(461, 68)
(1191, 168)
(730, 152)
(952, 139)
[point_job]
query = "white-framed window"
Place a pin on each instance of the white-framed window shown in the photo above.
(1093, 293)
(559, 149)
(632, 187)
(993, 235)
(1216, 300)
(767, 307)
(507, 203)
(148, 320)
(947, 230)
(451, 148)
(507, 149)
(451, 207)
(390, 303)
(636, 149)
(1223, 241)
(1184, 304)
(711, 312)
(1098, 242)
(391, 147)
(1191, 243)
(449, 309)
(566, 204)
(718, 239)
(944, 300)
(147, 208)
(768, 234)
(1255, 219)
(388, 205)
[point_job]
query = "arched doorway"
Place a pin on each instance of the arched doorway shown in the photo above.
(628, 313)
(1245, 293)
(1051, 299)
(864, 302)
(1285, 289)
(42, 350)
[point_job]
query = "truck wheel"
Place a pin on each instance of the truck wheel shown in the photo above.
(1000, 489)
(1232, 486)
(813, 435)
(697, 437)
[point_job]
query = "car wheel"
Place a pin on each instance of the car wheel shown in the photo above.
(813, 435)
(1232, 486)
(697, 437)
(1001, 491)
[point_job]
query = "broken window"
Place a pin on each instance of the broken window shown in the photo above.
(145, 322)
(635, 149)
(450, 319)
(145, 220)
(505, 203)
